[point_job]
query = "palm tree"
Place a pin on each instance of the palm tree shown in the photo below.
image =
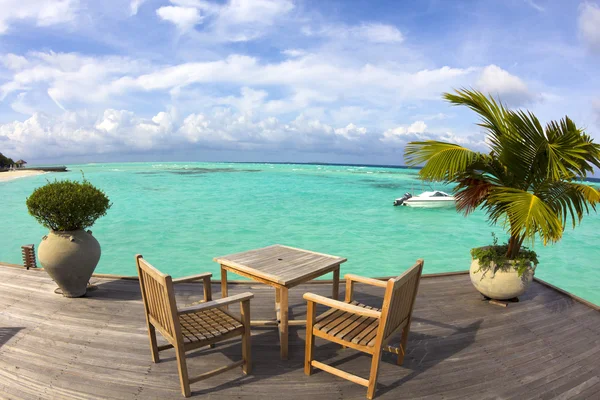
(528, 181)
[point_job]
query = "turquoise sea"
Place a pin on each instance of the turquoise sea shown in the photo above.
(181, 215)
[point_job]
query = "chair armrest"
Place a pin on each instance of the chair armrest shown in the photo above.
(216, 303)
(340, 305)
(368, 281)
(192, 278)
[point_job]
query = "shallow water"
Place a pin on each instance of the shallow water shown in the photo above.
(181, 215)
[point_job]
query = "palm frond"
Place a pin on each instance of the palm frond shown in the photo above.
(443, 161)
(492, 113)
(470, 193)
(526, 214)
(569, 151)
(522, 148)
(570, 199)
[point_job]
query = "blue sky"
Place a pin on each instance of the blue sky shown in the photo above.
(281, 80)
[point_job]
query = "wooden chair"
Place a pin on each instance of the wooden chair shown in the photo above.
(28, 252)
(361, 327)
(189, 328)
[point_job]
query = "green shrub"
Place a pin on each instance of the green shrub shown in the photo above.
(67, 205)
(495, 255)
(5, 161)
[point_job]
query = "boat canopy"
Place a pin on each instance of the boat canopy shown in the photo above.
(436, 193)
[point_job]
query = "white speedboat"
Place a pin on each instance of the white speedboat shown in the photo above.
(435, 199)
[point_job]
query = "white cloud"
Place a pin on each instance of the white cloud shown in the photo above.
(245, 20)
(185, 18)
(79, 133)
(43, 12)
(294, 52)
(418, 131)
(234, 21)
(589, 24)
(134, 6)
(401, 133)
(85, 133)
(498, 82)
(368, 32)
(305, 103)
(351, 131)
(66, 76)
(254, 11)
(247, 103)
(430, 117)
(114, 130)
(73, 80)
(20, 105)
(534, 5)
(379, 33)
(14, 61)
(378, 83)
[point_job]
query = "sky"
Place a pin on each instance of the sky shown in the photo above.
(336, 81)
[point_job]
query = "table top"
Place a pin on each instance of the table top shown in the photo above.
(281, 264)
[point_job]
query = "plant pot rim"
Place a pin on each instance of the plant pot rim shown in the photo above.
(69, 231)
(511, 262)
(487, 246)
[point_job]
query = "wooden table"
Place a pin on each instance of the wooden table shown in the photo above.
(282, 267)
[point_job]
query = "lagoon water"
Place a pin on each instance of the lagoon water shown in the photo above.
(181, 215)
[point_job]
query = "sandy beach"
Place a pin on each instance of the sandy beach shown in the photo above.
(10, 175)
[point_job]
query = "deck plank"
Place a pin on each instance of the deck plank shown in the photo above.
(545, 346)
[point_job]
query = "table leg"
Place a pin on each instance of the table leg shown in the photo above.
(224, 285)
(283, 322)
(336, 283)
(277, 306)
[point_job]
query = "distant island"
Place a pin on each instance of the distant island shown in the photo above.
(11, 169)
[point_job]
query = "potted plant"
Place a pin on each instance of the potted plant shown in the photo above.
(68, 253)
(529, 182)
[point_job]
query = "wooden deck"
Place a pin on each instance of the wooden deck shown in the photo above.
(546, 346)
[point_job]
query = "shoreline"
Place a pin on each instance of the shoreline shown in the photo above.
(16, 174)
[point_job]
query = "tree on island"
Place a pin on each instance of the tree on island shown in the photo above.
(5, 162)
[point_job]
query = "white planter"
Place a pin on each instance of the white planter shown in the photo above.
(70, 259)
(504, 284)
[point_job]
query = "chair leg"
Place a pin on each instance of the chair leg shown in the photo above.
(373, 376)
(403, 343)
(183, 372)
(246, 354)
(153, 344)
(246, 346)
(310, 338)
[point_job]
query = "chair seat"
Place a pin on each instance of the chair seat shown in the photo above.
(207, 325)
(348, 327)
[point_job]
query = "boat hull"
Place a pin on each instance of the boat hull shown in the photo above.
(434, 203)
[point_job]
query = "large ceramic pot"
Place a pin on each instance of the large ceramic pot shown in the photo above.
(70, 258)
(504, 284)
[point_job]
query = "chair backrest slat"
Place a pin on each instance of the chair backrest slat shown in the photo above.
(399, 299)
(157, 290)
